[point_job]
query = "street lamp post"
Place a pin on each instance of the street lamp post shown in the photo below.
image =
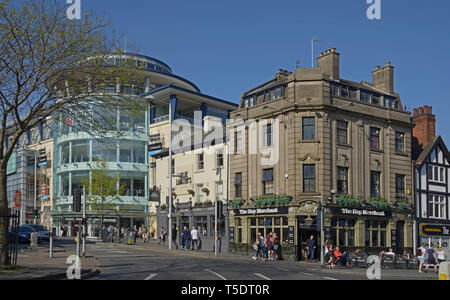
(322, 233)
(170, 175)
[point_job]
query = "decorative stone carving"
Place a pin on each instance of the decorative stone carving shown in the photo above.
(308, 207)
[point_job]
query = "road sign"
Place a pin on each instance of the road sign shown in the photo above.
(154, 148)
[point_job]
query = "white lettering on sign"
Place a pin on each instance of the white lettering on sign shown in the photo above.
(362, 212)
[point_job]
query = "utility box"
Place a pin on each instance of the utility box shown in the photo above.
(34, 239)
(444, 269)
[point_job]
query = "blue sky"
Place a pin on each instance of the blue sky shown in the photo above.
(228, 47)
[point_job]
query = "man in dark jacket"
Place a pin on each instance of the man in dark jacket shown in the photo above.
(310, 248)
(174, 235)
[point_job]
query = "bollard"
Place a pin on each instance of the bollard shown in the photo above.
(78, 244)
(34, 239)
(51, 245)
(444, 269)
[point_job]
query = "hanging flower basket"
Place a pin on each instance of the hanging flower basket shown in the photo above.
(205, 190)
(191, 192)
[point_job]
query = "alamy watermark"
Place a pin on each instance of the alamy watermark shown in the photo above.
(74, 269)
(374, 270)
(262, 137)
(74, 10)
(374, 10)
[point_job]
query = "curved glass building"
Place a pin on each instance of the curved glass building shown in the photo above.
(124, 147)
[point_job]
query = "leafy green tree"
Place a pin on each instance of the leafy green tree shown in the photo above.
(103, 191)
(51, 66)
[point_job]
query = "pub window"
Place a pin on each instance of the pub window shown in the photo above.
(375, 233)
(342, 132)
(343, 231)
(268, 182)
(399, 142)
(309, 178)
(238, 185)
(375, 138)
(265, 225)
(238, 233)
(399, 186)
(308, 129)
(342, 181)
(375, 185)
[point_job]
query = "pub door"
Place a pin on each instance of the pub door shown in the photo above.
(304, 232)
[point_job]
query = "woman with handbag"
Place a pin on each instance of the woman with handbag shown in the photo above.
(276, 245)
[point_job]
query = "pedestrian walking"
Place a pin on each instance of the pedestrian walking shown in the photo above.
(162, 236)
(432, 258)
(276, 246)
(407, 258)
(194, 237)
(185, 238)
(442, 255)
(269, 245)
(310, 248)
(420, 253)
(145, 234)
(259, 247)
(174, 236)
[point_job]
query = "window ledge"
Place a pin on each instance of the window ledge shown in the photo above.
(401, 154)
(376, 150)
(344, 145)
(309, 141)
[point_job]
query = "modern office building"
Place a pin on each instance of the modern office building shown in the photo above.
(36, 143)
(312, 134)
(432, 184)
(124, 147)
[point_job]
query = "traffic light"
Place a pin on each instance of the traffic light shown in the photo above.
(84, 221)
(36, 214)
(219, 209)
(76, 200)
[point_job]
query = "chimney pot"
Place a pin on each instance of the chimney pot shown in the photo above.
(415, 112)
(420, 111)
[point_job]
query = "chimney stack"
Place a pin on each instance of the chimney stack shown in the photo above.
(383, 78)
(328, 63)
(425, 126)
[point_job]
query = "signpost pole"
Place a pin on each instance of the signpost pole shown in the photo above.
(35, 185)
(170, 175)
(216, 250)
(84, 224)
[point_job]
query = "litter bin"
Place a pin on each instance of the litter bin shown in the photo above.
(131, 238)
(444, 271)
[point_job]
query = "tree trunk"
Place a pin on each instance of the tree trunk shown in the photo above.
(3, 217)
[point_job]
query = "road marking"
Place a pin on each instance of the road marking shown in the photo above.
(309, 274)
(150, 276)
(262, 276)
(218, 275)
(329, 278)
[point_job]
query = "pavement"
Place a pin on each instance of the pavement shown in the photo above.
(35, 263)
(150, 261)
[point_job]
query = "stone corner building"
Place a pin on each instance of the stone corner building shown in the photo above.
(349, 142)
